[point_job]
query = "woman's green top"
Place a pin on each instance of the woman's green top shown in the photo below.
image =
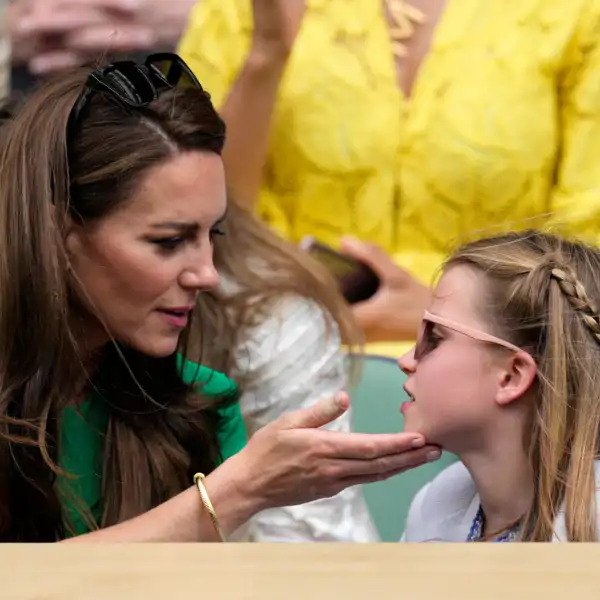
(82, 431)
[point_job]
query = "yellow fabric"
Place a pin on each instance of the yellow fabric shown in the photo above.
(502, 128)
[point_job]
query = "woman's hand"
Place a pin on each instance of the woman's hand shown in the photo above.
(395, 311)
(277, 23)
(291, 461)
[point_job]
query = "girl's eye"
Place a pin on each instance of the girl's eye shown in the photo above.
(429, 340)
(169, 244)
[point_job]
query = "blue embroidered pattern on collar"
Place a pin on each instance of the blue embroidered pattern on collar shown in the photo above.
(476, 532)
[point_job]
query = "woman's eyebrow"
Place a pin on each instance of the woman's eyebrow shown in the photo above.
(187, 226)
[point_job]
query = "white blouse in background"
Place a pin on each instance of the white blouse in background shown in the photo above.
(294, 360)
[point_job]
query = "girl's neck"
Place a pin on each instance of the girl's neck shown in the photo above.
(504, 481)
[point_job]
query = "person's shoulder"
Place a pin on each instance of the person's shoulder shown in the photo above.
(293, 311)
(208, 381)
(440, 507)
(452, 490)
(290, 317)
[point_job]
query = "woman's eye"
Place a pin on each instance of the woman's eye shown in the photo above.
(214, 232)
(169, 244)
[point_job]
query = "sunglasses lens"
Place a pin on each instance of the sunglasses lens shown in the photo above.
(174, 72)
(426, 342)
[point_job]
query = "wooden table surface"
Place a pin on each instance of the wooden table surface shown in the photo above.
(300, 571)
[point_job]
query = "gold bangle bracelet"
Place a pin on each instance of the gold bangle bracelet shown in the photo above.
(199, 481)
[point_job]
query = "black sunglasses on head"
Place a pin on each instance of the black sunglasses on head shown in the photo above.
(135, 85)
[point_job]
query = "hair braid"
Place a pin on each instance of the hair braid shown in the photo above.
(575, 292)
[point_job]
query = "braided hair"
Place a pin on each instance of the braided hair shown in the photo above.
(543, 294)
(577, 296)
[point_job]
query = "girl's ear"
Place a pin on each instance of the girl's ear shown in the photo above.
(516, 378)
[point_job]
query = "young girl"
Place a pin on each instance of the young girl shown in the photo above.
(505, 374)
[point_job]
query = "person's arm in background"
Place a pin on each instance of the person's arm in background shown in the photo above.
(239, 51)
(394, 313)
(575, 199)
(293, 359)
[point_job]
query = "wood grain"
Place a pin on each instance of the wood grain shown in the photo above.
(300, 571)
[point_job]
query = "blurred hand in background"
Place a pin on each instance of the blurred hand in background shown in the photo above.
(49, 35)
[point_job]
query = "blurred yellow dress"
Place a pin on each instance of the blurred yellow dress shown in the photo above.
(501, 131)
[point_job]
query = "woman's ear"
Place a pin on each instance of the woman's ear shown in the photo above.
(72, 238)
(516, 378)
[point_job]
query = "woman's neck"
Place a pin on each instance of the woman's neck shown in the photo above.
(504, 481)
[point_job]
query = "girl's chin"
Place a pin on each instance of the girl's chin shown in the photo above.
(415, 425)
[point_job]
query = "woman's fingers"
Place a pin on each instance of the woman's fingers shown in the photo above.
(383, 467)
(59, 21)
(54, 61)
(110, 38)
(91, 42)
(367, 446)
(323, 412)
(342, 484)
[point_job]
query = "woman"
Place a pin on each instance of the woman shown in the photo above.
(279, 324)
(513, 332)
(112, 191)
(406, 124)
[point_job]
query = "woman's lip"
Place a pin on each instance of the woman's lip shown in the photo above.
(175, 320)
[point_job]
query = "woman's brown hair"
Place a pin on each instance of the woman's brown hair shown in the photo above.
(543, 294)
(160, 430)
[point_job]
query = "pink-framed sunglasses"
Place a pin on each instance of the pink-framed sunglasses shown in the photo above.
(425, 342)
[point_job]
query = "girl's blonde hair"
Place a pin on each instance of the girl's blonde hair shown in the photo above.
(543, 294)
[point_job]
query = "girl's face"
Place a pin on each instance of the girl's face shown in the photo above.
(460, 385)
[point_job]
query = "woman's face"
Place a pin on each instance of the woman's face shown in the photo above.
(452, 381)
(139, 270)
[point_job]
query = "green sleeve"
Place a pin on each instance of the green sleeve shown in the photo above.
(232, 431)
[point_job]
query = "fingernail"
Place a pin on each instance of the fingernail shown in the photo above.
(342, 401)
(418, 443)
(433, 455)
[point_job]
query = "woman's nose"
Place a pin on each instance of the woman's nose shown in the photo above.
(200, 277)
